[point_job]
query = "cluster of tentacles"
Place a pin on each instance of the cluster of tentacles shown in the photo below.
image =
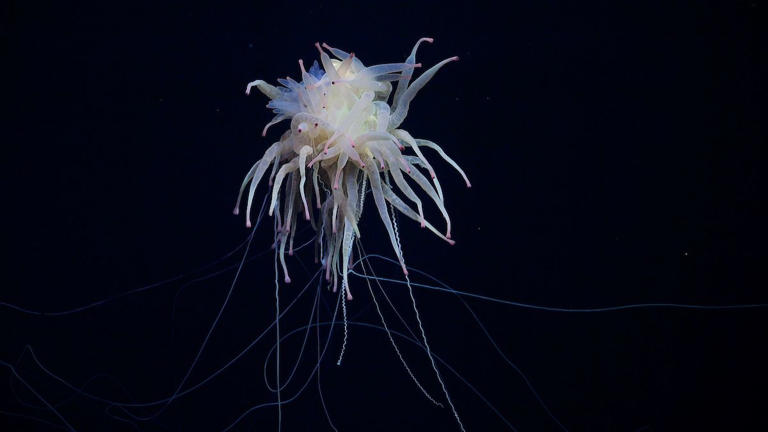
(343, 136)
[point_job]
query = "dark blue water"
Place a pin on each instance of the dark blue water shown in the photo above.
(617, 156)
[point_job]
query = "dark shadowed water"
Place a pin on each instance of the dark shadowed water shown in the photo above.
(617, 155)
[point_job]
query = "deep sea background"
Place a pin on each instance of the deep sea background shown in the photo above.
(617, 152)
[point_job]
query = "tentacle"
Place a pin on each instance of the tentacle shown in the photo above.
(346, 254)
(284, 170)
(405, 77)
(291, 201)
(247, 178)
(351, 153)
(382, 116)
(316, 186)
(334, 213)
(330, 70)
(343, 56)
(403, 185)
(430, 144)
(377, 154)
(388, 68)
(266, 161)
(340, 163)
(346, 65)
(405, 100)
(283, 237)
(405, 136)
(406, 210)
(269, 90)
(276, 119)
(351, 212)
(424, 183)
(275, 167)
(381, 206)
(303, 153)
(330, 154)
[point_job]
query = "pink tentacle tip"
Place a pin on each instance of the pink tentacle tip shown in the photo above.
(247, 223)
(290, 252)
(236, 211)
(423, 223)
(287, 279)
(451, 242)
(349, 296)
(454, 58)
(417, 65)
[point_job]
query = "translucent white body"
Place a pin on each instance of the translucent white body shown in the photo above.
(344, 135)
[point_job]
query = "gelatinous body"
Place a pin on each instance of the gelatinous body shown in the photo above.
(345, 135)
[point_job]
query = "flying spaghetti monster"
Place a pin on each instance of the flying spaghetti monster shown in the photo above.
(344, 134)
